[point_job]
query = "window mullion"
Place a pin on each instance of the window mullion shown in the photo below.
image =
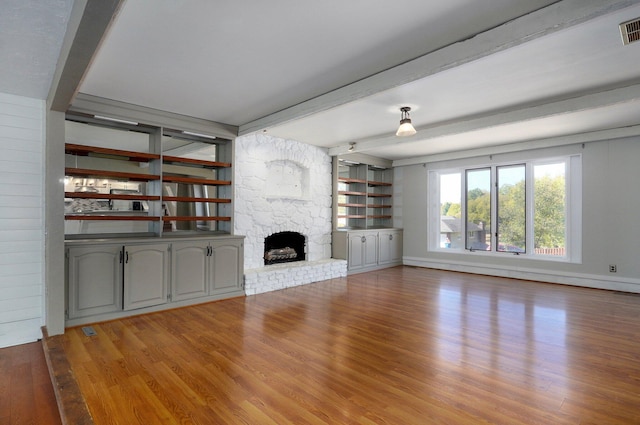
(529, 208)
(494, 209)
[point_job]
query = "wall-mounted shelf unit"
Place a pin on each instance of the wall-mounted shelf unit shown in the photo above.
(363, 192)
(119, 176)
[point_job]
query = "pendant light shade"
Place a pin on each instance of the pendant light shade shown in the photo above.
(406, 128)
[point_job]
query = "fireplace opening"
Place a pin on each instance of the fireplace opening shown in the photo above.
(284, 247)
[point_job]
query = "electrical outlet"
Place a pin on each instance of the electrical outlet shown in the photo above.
(613, 268)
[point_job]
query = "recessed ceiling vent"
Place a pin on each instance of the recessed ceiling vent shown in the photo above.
(630, 31)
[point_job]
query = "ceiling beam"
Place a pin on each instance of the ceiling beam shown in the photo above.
(556, 17)
(94, 105)
(524, 113)
(572, 139)
(88, 24)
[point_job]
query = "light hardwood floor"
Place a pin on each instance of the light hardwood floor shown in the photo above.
(397, 346)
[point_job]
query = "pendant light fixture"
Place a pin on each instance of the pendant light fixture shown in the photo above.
(405, 129)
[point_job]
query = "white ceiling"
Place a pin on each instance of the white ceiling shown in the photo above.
(31, 34)
(331, 73)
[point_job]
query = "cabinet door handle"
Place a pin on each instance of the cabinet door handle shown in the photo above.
(126, 257)
(390, 237)
(120, 256)
(209, 251)
(363, 239)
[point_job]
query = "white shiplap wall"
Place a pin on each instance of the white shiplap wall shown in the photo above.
(21, 219)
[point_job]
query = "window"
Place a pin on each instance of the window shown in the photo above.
(478, 209)
(529, 209)
(511, 223)
(449, 190)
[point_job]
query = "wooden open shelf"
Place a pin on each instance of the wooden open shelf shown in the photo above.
(195, 180)
(379, 195)
(107, 217)
(378, 206)
(352, 216)
(353, 205)
(92, 195)
(351, 180)
(196, 199)
(84, 172)
(194, 218)
(83, 150)
(374, 183)
(349, 192)
(176, 160)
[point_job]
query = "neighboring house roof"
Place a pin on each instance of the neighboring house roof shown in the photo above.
(450, 224)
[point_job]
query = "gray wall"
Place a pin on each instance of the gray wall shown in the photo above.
(610, 228)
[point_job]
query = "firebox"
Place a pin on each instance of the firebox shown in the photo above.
(284, 247)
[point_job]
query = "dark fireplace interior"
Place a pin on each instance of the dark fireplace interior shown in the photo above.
(284, 247)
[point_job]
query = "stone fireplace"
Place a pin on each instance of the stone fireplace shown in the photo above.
(283, 186)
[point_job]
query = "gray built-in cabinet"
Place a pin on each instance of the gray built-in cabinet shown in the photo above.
(367, 250)
(108, 280)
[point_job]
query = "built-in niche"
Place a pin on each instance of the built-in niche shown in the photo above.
(288, 180)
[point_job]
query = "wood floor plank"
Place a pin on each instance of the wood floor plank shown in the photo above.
(22, 394)
(397, 346)
(26, 392)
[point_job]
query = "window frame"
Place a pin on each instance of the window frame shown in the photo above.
(573, 206)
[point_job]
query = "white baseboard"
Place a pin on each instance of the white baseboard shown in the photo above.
(564, 278)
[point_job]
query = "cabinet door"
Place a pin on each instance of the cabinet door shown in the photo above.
(146, 272)
(390, 247)
(189, 270)
(356, 251)
(227, 263)
(370, 249)
(396, 246)
(95, 280)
